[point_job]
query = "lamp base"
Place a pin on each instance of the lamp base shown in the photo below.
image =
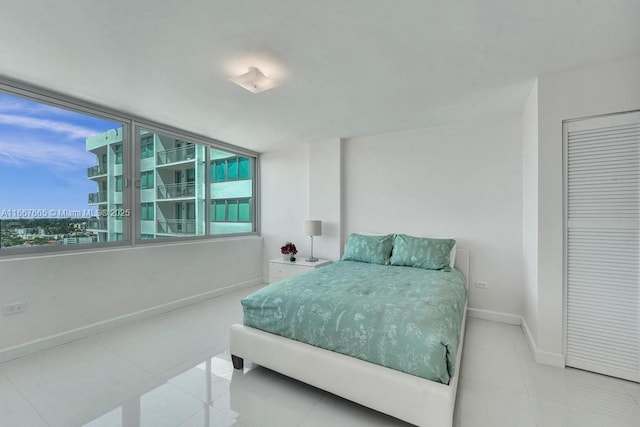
(312, 259)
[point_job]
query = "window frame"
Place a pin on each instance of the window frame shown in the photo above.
(188, 138)
(131, 156)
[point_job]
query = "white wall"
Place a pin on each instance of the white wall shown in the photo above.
(530, 211)
(495, 184)
(71, 295)
(325, 196)
(302, 182)
(462, 180)
(602, 89)
(284, 190)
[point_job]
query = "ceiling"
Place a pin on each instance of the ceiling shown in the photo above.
(347, 67)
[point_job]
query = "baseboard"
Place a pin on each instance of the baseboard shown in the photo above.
(551, 359)
(494, 316)
(21, 350)
(540, 356)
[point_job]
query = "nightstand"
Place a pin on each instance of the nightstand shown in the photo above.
(280, 269)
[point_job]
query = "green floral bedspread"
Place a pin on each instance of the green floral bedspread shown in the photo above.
(403, 318)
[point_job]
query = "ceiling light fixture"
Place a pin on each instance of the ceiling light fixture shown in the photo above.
(254, 81)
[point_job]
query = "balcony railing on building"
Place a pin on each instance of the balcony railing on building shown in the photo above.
(97, 224)
(100, 197)
(96, 170)
(176, 191)
(175, 155)
(177, 226)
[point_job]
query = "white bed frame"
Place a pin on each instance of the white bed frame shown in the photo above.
(410, 398)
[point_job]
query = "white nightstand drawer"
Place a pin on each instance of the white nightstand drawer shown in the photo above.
(280, 269)
(286, 270)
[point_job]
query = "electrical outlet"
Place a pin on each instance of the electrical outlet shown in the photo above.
(15, 308)
(481, 284)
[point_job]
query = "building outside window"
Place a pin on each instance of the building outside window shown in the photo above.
(70, 180)
(146, 180)
(117, 152)
(173, 192)
(146, 147)
(231, 210)
(118, 212)
(146, 212)
(232, 169)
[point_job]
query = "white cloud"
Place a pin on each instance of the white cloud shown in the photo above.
(68, 129)
(10, 104)
(56, 156)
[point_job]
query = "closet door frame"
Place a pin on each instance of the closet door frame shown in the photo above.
(565, 304)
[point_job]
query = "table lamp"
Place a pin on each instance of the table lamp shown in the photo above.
(312, 228)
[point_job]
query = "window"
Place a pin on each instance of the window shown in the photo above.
(232, 169)
(68, 164)
(184, 196)
(191, 210)
(244, 211)
(117, 152)
(146, 147)
(146, 211)
(54, 162)
(146, 180)
(219, 210)
(244, 168)
(231, 210)
(219, 171)
(231, 207)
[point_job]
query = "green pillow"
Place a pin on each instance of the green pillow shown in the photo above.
(422, 252)
(372, 249)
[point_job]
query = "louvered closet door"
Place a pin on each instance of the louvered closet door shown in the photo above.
(602, 178)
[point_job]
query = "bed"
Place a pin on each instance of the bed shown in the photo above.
(404, 363)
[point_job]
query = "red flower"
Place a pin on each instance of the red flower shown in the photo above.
(288, 248)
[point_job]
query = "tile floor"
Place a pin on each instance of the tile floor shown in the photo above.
(174, 370)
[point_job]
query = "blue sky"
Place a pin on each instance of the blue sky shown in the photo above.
(43, 160)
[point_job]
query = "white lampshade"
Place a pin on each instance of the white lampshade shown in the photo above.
(313, 227)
